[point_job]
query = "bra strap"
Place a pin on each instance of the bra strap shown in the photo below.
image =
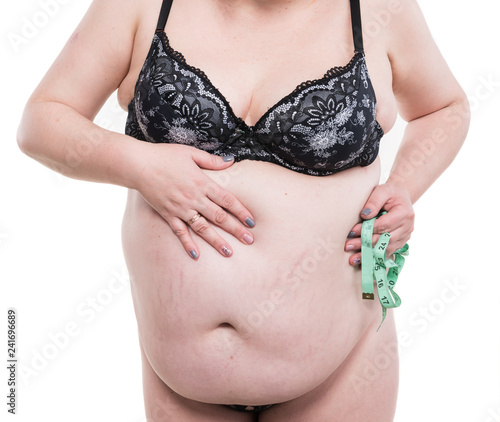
(357, 34)
(164, 12)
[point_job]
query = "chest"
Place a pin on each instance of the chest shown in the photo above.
(255, 66)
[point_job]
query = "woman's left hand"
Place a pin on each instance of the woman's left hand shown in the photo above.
(398, 221)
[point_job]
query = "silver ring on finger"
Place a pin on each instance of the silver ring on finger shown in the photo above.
(194, 218)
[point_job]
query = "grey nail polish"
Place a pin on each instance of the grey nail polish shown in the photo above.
(249, 222)
(357, 260)
(193, 254)
(228, 157)
(366, 211)
(351, 235)
(226, 251)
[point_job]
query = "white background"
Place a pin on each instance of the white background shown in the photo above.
(60, 247)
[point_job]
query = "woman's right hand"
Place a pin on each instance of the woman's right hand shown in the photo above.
(57, 130)
(171, 181)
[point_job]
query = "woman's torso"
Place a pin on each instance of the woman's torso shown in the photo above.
(282, 314)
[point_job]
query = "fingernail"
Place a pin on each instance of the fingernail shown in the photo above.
(226, 251)
(356, 261)
(249, 222)
(193, 254)
(366, 211)
(228, 157)
(349, 248)
(247, 238)
(351, 235)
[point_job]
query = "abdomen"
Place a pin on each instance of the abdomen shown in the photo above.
(274, 320)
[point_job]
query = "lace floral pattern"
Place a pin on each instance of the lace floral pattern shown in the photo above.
(324, 126)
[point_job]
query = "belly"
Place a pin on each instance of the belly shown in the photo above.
(277, 318)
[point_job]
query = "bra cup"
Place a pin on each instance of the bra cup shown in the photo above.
(168, 112)
(322, 127)
(326, 126)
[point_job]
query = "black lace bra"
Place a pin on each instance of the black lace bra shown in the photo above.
(324, 126)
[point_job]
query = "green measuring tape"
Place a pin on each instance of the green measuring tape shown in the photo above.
(375, 266)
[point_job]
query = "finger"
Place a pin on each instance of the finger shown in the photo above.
(375, 202)
(212, 212)
(355, 259)
(230, 203)
(385, 223)
(211, 162)
(399, 218)
(352, 234)
(355, 231)
(203, 229)
(398, 239)
(354, 245)
(181, 231)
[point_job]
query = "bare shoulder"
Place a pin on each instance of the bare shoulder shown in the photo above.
(95, 59)
(422, 81)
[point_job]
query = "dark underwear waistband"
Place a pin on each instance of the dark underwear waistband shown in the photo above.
(249, 409)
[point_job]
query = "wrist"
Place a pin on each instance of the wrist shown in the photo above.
(397, 185)
(127, 166)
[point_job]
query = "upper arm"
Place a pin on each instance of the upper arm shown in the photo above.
(422, 81)
(94, 60)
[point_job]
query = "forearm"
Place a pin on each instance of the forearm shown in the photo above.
(65, 141)
(429, 145)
